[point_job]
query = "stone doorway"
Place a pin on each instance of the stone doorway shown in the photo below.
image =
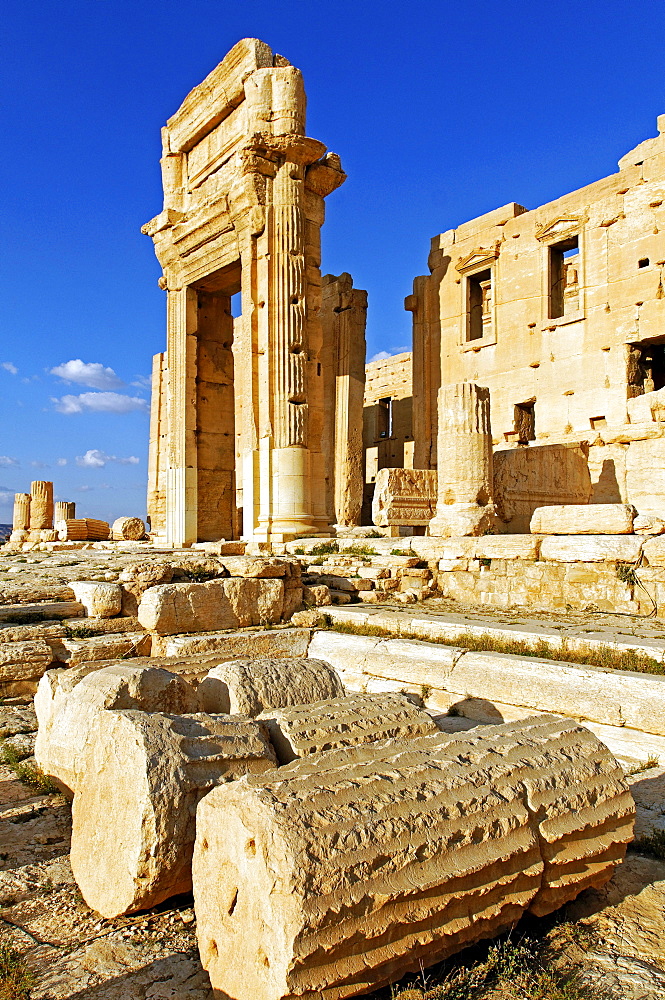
(219, 515)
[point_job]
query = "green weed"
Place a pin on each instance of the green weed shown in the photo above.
(27, 773)
(16, 979)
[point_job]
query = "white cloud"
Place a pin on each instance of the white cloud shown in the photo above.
(142, 382)
(96, 459)
(61, 461)
(9, 367)
(40, 465)
(99, 402)
(6, 496)
(381, 356)
(90, 373)
(6, 461)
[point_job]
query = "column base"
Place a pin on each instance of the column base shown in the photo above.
(462, 519)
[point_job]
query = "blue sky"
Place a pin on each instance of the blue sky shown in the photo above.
(440, 111)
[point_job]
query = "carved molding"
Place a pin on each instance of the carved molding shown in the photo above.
(477, 260)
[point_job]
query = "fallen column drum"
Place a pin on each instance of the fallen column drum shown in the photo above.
(342, 871)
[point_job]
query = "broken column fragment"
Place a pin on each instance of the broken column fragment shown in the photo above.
(302, 730)
(249, 687)
(464, 458)
(128, 529)
(65, 720)
(21, 517)
(404, 497)
(356, 866)
(133, 818)
(41, 506)
(64, 510)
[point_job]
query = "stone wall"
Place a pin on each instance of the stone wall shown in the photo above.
(388, 440)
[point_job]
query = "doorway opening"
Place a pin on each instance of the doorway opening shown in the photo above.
(219, 516)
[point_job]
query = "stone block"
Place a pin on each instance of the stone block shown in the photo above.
(100, 600)
(654, 551)
(583, 519)
(318, 595)
(432, 844)
(404, 497)
(67, 707)
(303, 730)
(133, 817)
(256, 568)
(172, 608)
(290, 642)
(101, 647)
(24, 613)
(249, 687)
(591, 548)
(506, 547)
(20, 661)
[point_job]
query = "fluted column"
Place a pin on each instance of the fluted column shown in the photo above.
(41, 506)
(64, 510)
(464, 504)
(21, 518)
(291, 504)
(181, 474)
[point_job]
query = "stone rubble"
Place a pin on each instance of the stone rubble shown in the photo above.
(250, 687)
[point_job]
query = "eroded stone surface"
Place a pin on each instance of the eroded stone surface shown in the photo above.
(205, 607)
(249, 687)
(67, 706)
(583, 519)
(339, 722)
(414, 830)
(134, 810)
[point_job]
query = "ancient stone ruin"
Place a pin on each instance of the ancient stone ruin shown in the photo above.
(295, 695)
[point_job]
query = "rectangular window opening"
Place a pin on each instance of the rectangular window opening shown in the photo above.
(525, 421)
(385, 418)
(564, 265)
(479, 304)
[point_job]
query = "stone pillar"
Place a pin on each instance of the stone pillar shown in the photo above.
(21, 519)
(41, 506)
(156, 456)
(343, 316)
(64, 510)
(464, 505)
(182, 472)
(291, 500)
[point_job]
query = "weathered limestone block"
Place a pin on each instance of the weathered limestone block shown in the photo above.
(21, 518)
(342, 722)
(235, 645)
(526, 478)
(317, 594)
(404, 497)
(258, 568)
(648, 524)
(115, 645)
(204, 607)
(464, 462)
(645, 478)
(591, 548)
(21, 661)
(249, 687)
(100, 600)
(64, 510)
(41, 505)
(506, 547)
(133, 817)
(138, 577)
(40, 612)
(66, 716)
(128, 529)
(424, 846)
(583, 519)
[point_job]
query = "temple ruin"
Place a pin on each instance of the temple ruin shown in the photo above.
(237, 439)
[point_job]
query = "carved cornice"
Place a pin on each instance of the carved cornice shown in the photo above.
(478, 260)
(560, 229)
